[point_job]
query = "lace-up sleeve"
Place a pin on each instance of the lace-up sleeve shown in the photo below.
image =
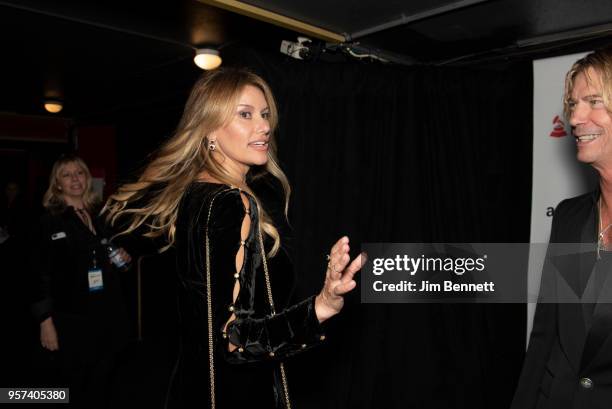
(247, 335)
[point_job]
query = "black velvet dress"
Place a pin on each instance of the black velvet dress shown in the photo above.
(250, 374)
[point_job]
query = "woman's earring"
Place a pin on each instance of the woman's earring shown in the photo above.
(212, 146)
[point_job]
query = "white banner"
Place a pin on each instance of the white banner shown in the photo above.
(557, 175)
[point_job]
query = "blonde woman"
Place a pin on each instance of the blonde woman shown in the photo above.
(236, 329)
(78, 297)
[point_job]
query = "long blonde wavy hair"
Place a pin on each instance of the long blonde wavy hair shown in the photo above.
(53, 197)
(184, 156)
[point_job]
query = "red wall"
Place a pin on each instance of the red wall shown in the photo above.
(30, 144)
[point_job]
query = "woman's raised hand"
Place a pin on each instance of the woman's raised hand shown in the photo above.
(339, 279)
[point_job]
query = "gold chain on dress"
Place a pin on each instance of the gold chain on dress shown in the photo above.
(211, 358)
(271, 301)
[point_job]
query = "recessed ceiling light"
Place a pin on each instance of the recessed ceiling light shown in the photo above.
(207, 58)
(54, 106)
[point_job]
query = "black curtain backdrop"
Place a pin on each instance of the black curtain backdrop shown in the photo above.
(398, 154)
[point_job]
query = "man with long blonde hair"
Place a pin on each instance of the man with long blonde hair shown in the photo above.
(569, 360)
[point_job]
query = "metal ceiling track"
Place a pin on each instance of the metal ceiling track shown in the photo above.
(276, 19)
(534, 45)
(412, 18)
(581, 33)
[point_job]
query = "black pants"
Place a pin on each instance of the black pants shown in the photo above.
(87, 358)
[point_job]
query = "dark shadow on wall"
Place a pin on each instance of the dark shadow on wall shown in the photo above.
(396, 154)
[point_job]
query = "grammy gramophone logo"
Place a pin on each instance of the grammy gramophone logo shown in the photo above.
(558, 128)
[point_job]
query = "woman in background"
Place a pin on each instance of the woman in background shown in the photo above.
(78, 296)
(237, 327)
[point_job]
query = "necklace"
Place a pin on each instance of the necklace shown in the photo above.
(601, 245)
(84, 216)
